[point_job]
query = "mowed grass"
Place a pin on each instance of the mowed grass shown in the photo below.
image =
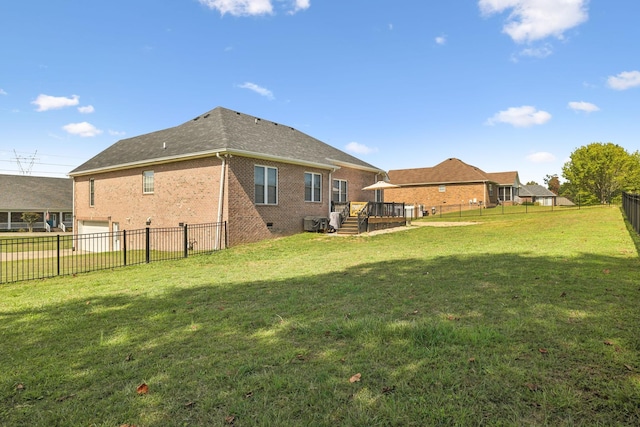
(517, 320)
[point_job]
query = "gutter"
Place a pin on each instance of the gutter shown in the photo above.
(220, 198)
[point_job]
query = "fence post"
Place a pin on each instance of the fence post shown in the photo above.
(185, 240)
(147, 245)
(58, 252)
(124, 245)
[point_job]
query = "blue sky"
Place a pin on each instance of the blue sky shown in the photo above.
(500, 84)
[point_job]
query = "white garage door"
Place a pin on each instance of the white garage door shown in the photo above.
(93, 236)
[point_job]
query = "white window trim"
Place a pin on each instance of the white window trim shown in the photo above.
(266, 185)
(145, 182)
(339, 192)
(442, 188)
(313, 175)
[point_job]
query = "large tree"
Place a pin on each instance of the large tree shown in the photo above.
(553, 183)
(601, 171)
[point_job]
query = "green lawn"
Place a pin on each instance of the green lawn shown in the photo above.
(517, 320)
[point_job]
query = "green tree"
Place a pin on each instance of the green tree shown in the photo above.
(599, 172)
(30, 218)
(531, 183)
(553, 183)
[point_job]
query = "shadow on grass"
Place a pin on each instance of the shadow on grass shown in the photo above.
(510, 339)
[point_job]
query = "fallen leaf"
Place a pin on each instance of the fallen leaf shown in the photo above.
(472, 359)
(355, 378)
(564, 294)
(543, 350)
(20, 387)
(532, 387)
(248, 395)
(606, 271)
(230, 419)
(629, 367)
(387, 390)
(608, 342)
(129, 358)
(88, 302)
(63, 398)
(142, 389)
(189, 404)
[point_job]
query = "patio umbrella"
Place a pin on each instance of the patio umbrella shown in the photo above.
(380, 185)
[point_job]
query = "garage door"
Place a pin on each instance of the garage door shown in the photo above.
(93, 236)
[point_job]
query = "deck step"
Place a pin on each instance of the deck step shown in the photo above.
(349, 226)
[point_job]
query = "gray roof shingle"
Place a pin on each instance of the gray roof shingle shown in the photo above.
(535, 190)
(35, 193)
(224, 131)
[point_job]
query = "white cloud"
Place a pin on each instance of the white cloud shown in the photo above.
(441, 40)
(532, 20)
(300, 5)
(83, 129)
(537, 52)
(587, 107)
(254, 7)
(2, 92)
(116, 133)
(46, 102)
(257, 89)
(88, 109)
(624, 80)
(524, 116)
(357, 148)
(541, 157)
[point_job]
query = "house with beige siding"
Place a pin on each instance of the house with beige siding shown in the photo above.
(451, 184)
(260, 177)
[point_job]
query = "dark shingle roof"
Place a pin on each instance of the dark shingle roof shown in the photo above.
(535, 190)
(35, 193)
(224, 131)
(450, 171)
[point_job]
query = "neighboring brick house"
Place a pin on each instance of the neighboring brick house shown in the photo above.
(42, 195)
(272, 176)
(448, 184)
(537, 194)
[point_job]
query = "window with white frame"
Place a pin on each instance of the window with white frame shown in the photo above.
(92, 193)
(339, 191)
(442, 188)
(266, 185)
(147, 182)
(312, 187)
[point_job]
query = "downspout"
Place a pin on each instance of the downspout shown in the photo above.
(485, 192)
(220, 196)
(330, 186)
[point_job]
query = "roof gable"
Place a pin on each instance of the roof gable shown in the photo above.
(221, 131)
(451, 170)
(505, 178)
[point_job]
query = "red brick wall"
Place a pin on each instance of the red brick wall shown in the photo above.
(188, 192)
(183, 192)
(454, 194)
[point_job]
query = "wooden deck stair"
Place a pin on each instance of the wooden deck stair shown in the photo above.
(349, 226)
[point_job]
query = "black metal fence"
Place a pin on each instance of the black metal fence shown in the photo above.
(463, 210)
(631, 207)
(28, 258)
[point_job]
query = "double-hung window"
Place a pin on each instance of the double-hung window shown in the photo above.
(339, 191)
(147, 182)
(92, 194)
(312, 187)
(266, 185)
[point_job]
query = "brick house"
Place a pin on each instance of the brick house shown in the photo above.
(537, 194)
(42, 195)
(261, 177)
(508, 184)
(450, 183)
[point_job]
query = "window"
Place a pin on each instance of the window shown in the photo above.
(442, 188)
(378, 195)
(491, 189)
(266, 185)
(339, 191)
(147, 182)
(312, 187)
(91, 192)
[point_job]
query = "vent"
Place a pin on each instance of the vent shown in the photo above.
(206, 115)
